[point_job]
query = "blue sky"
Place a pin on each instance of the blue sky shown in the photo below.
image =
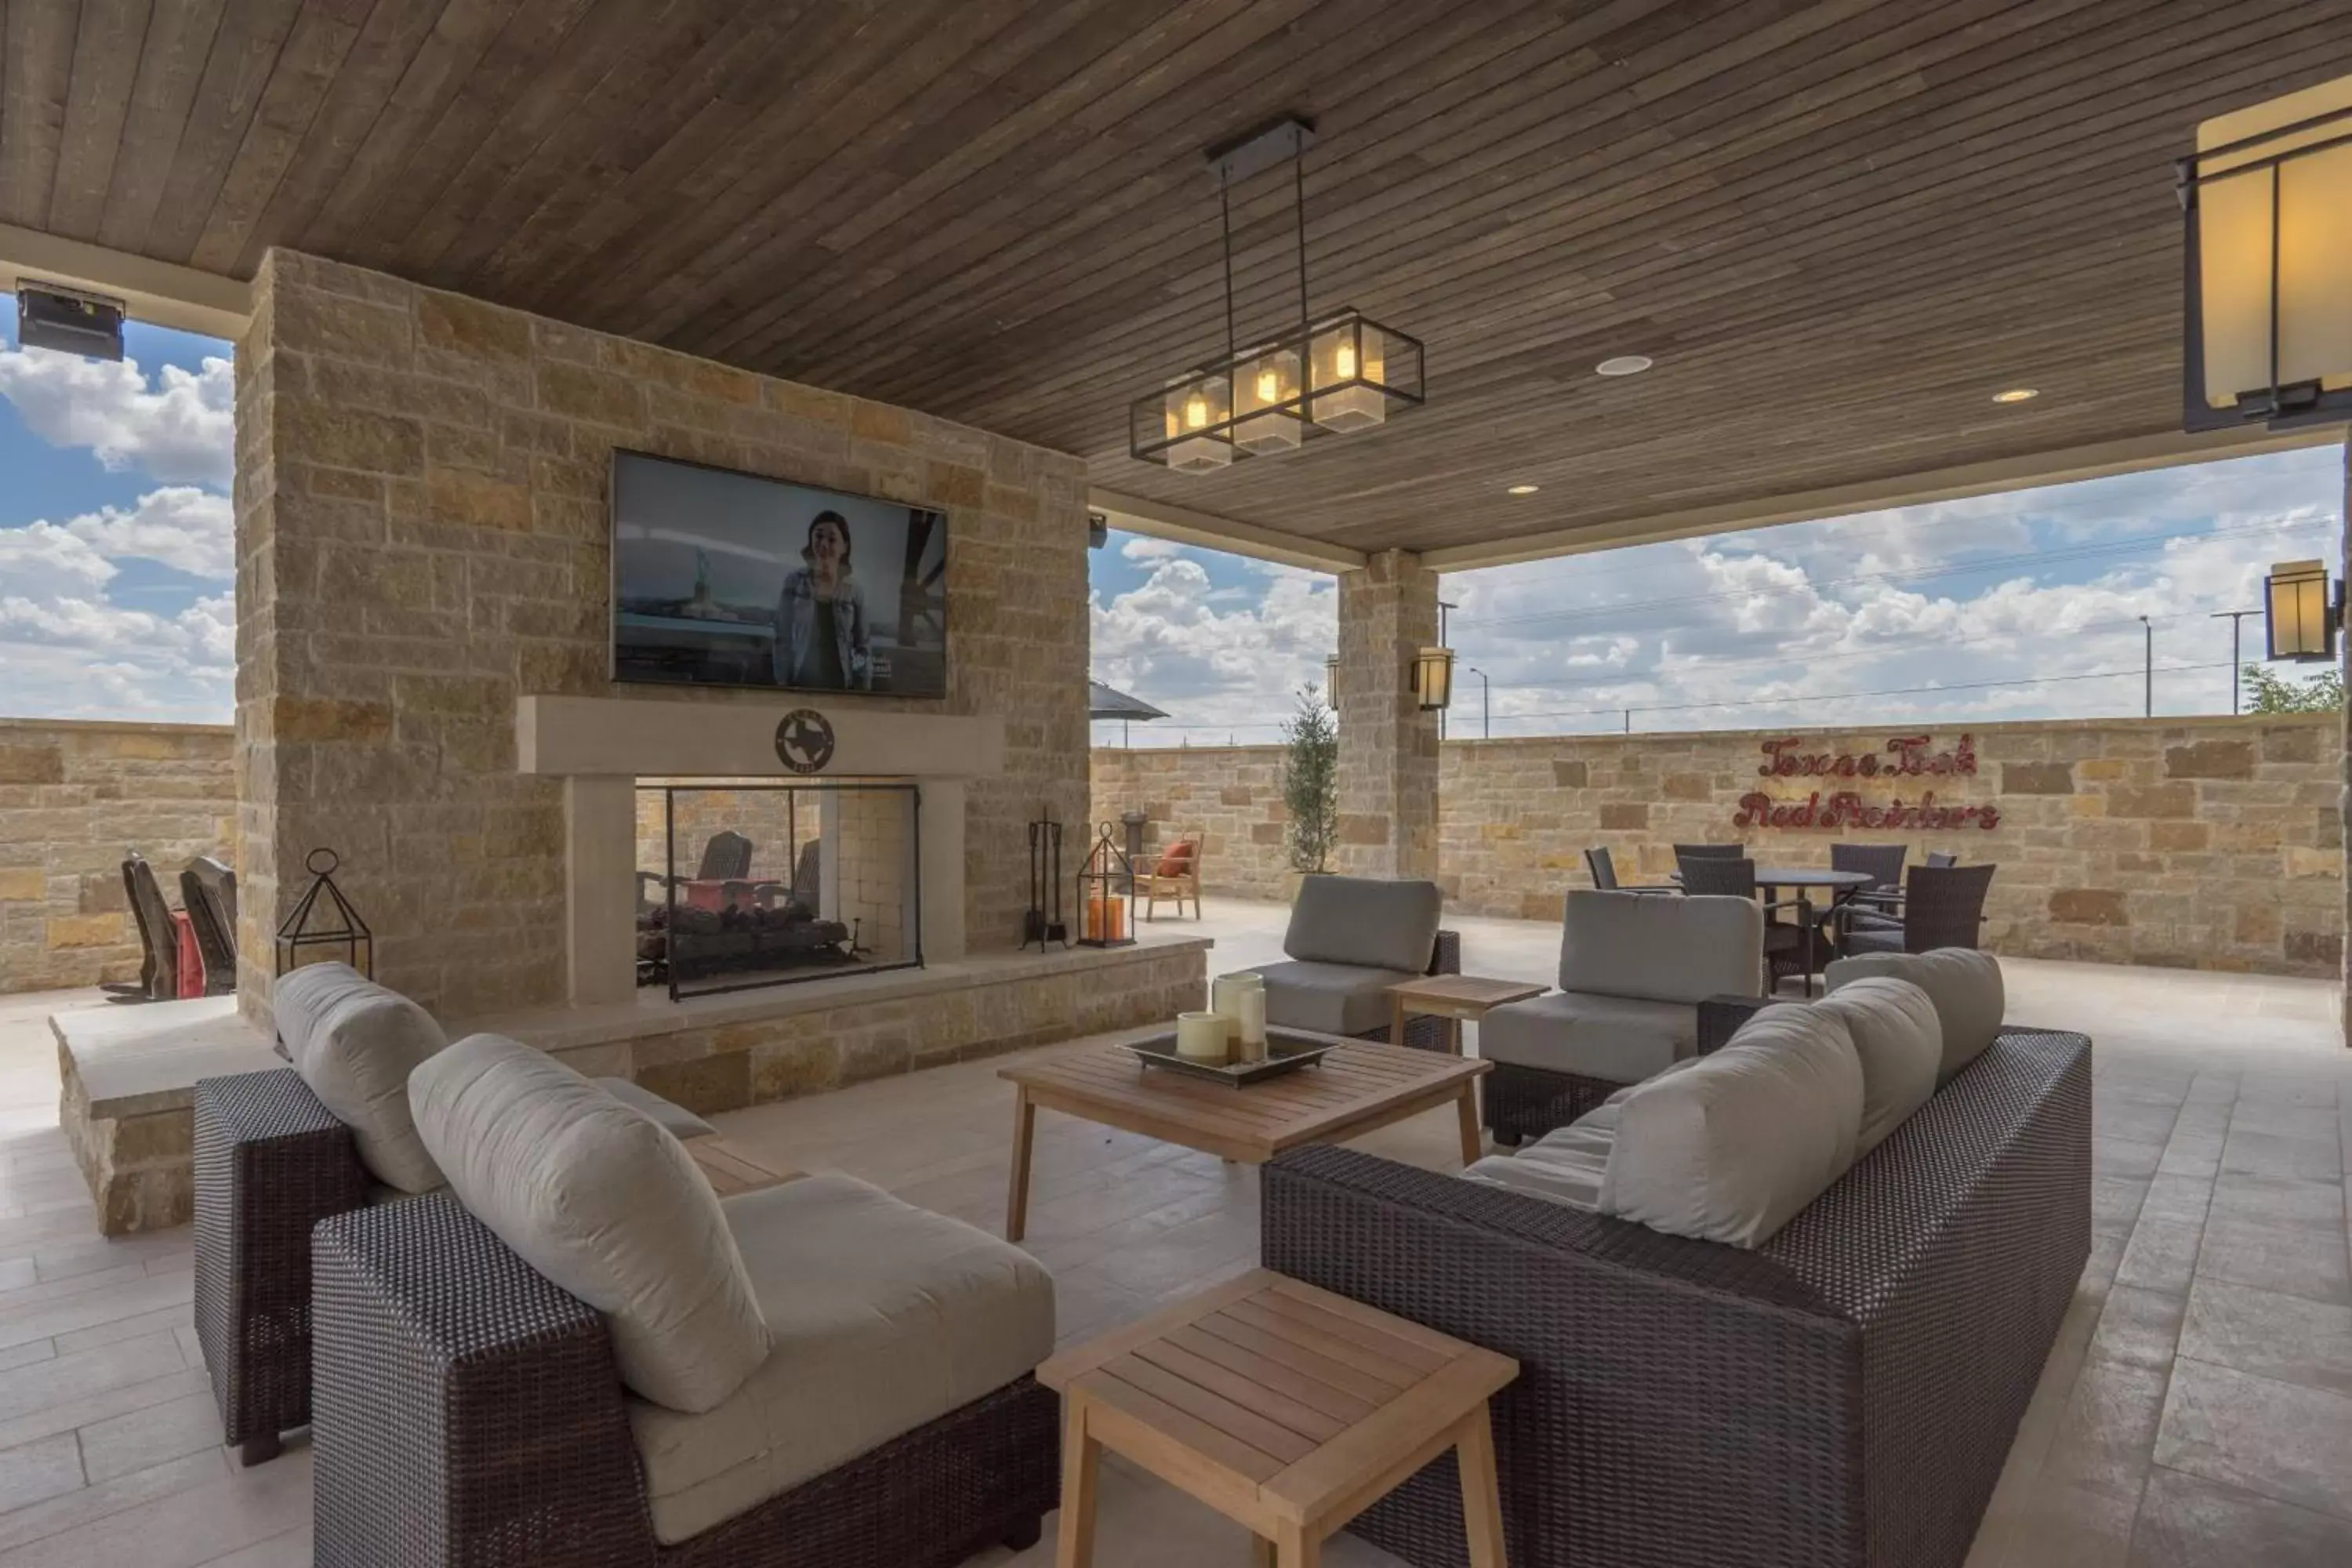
(117, 561)
(116, 553)
(2023, 605)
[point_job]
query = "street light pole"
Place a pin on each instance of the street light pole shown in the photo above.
(1443, 607)
(2237, 657)
(1486, 704)
(2147, 670)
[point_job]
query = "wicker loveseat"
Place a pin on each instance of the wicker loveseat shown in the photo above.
(1844, 1395)
(812, 1375)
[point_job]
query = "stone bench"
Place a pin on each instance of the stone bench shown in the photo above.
(128, 1099)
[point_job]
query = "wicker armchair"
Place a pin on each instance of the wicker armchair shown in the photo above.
(471, 1412)
(1942, 906)
(1846, 1393)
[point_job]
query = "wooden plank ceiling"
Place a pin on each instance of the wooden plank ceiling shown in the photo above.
(1838, 226)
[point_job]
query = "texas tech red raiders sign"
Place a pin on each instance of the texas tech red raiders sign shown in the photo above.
(1906, 757)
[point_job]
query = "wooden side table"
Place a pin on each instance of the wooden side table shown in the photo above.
(730, 1170)
(1454, 997)
(1286, 1408)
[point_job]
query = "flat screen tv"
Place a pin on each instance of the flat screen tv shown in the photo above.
(722, 578)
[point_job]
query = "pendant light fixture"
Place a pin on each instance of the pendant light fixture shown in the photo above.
(1334, 375)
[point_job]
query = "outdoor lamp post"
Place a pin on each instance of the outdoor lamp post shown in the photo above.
(1433, 678)
(2301, 611)
(1486, 703)
(2267, 202)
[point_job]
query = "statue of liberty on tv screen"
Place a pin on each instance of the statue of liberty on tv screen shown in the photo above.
(722, 578)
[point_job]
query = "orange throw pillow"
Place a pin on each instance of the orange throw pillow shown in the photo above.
(1177, 861)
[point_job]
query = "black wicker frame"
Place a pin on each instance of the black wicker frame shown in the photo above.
(1427, 1034)
(469, 1415)
(1844, 1395)
(270, 1162)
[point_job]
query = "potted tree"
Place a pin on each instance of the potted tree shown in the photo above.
(1310, 788)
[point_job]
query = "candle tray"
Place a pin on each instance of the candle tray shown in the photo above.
(1286, 1052)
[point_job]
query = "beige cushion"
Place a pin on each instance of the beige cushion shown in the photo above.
(1565, 1166)
(1730, 1148)
(1621, 1039)
(355, 1043)
(1370, 921)
(1964, 983)
(883, 1316)
(1900, 1044)
(1329, 998)
(603, 1203)
(1659, 949)
(674, 1120)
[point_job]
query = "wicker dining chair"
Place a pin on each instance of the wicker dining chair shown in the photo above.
(1708, 852)
(1943, 906)
(1881, 898)
(1604, 876)
(1785, 943)
(1940, 860)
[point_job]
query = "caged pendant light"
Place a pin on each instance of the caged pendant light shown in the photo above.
(1329, 377)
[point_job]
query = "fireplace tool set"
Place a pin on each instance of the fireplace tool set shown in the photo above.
(1043, 923)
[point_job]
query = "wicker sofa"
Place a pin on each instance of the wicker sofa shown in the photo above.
(1845, 1395)
(814, 1375)
(1349, 939)
(272, 1160)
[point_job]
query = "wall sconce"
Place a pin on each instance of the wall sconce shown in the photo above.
(1433, 678)
(2267, 202)
(1332, 682)
(2301, 614)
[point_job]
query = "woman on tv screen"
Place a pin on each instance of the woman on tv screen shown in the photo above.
(821, 627)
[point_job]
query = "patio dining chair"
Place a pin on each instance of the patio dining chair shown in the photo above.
(1604, 876)
(208, 893)
(159, 935)
(1943, 906)
(1940, 860)
(1787, 946)
(1882, 895)
(1709, 851)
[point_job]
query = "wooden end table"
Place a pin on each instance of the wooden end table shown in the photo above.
(1287, 1409)
(1454, 997)
(1359, 1086)
(730, 1170)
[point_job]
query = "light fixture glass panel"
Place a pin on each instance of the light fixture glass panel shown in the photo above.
(1347, 355)
(2299, 619)
(1267, 396)
(1433, 678)
(2234, 251)
(1196, 409)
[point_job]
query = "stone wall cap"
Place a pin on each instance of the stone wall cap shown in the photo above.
(138, 1059)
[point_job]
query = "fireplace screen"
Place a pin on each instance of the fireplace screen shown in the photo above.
(741, 884)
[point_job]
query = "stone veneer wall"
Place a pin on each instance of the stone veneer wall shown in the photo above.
(1229, 797)
(1388, 745)
(2213, 843)
(422, 527)
(73, 797)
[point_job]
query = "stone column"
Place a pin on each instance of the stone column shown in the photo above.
(1388, 746)
(2344, 765)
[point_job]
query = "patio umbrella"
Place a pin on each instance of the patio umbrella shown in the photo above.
(1107, 703)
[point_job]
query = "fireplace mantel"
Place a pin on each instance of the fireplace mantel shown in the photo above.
(600, 746)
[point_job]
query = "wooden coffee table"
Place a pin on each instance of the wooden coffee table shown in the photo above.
(1287, 1409)
(1454, 997)
(1357, 1087)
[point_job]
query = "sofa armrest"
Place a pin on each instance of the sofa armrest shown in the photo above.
(270, 1162)
(1668, 1388)
(1445, 958)
(1719, 1018)
(463, 1404)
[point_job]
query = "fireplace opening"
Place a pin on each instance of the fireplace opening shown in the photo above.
(756, 883)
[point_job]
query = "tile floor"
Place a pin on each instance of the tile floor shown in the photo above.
(2196, 1411)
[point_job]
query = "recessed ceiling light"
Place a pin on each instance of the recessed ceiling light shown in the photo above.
(1521, 490)
(1624, 364)
(2016, 394)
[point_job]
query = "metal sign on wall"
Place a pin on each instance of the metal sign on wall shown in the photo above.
(1904, 757)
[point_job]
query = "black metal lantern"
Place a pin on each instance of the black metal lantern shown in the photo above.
(2267, 217)
(1106, 894)
(1433, 678)
(324, 926)
(2300, 612)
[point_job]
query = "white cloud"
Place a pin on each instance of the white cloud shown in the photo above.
(1142, 548)
(178, 428)
(43, 561)
(191, 530)
(1235, 670)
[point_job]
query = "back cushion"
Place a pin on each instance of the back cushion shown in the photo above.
(1964, 985)
(1658, 949)
(606, 1205)
(1732, 1147)
(355, 1043)
(1900, 1044)
(1365, 921)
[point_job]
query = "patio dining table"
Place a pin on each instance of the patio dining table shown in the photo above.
(1840, 885)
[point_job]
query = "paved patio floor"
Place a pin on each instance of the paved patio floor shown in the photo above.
(2197, 1409)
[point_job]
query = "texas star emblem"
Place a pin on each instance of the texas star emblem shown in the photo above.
(805, 740)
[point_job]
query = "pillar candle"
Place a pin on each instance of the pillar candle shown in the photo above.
(1253, 1042)
(1200, 1037)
